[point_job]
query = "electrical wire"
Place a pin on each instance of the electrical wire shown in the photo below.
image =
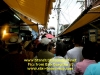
(61, 12)
(71, 10)
(65, 17)
(74, 9)
(68, 5)
(56, 4)
(65, 1)
(67, 9)
(73, 6)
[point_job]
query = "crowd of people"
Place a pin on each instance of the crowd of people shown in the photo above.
(43, 31)
(72, 57)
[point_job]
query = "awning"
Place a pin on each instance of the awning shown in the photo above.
(31, 24)
(91, 15)
(37, 10)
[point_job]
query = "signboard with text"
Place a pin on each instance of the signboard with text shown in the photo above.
(93, 35)
(24, 28)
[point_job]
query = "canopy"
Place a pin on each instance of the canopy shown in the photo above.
(37, 10)
(91, 15)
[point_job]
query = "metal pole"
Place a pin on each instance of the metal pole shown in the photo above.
(85, 4)
(58, 13)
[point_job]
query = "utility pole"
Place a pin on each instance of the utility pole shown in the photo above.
(85, 4)
(58, 13)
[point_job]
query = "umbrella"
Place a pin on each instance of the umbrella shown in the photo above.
(54, 39)
(35, 34)
(49, 36)
(45, 41)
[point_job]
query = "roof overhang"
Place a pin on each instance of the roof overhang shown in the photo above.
(37, 10)
(83, 19)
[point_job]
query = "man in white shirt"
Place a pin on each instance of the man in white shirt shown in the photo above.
(75, 54)
(59, 65)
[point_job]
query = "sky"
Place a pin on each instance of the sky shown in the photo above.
(70, 10)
